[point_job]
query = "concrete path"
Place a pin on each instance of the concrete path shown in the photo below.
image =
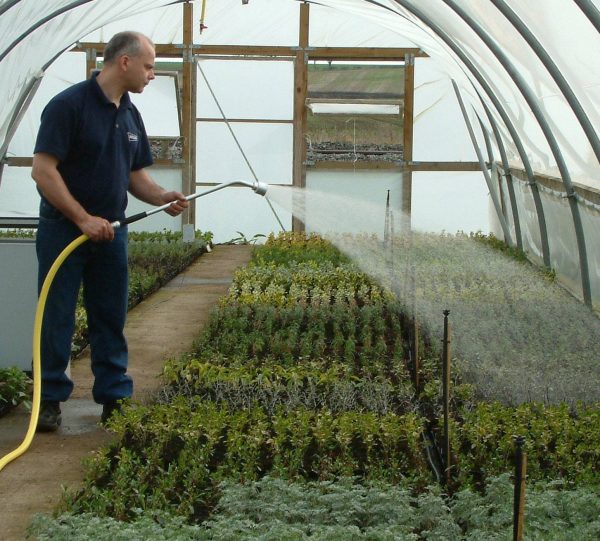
(161, 327)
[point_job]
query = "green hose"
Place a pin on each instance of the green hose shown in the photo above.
(37, 338)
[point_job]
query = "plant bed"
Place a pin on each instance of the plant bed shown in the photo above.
(317, 389)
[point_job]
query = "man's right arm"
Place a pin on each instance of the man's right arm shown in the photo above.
(51, 184)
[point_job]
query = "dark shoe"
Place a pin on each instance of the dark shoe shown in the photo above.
(109, 408)
(50, 416)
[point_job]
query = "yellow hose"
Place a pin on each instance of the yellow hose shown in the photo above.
(202, 27)
(37, 338)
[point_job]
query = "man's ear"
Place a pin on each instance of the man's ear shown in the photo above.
(124, 62)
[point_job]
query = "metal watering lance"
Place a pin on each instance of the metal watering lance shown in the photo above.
(258, 187)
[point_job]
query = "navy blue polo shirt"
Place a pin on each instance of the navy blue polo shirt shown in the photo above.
(97, 146)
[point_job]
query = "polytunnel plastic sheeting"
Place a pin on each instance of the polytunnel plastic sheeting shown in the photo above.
(351, 202)
(439, 132)
(561, 28)
(67, 70)
(39, 45)
(240, 90)
(590, 217)
(268, 148)
(158, 107)
(530, 230)
(18, 196)
(582, 164)
(237, 211)
(578, 152)
(562, 241)
(164, 25)
(439, 200)
(563, 248)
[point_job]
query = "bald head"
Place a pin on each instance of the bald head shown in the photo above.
(125, 43)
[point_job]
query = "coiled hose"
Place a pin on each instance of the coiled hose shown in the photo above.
(37, 339)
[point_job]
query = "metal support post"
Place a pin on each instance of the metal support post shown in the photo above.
(484, 170)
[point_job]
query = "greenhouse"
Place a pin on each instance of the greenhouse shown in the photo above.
(376, 315)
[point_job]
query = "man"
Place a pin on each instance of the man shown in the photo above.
(90, 151)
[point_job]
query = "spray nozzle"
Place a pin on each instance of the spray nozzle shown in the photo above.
(260, 187)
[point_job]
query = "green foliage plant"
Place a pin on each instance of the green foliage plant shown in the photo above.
(14, 388)
(561, 443)
(178, 454)
(348, 509)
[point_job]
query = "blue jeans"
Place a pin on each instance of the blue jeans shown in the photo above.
(102, 267)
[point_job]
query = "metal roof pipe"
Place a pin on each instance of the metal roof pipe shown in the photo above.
(590, 11)
(40, 23)
(488, 141)
(554, 71)
(531, 100)
(7, 5)
(507, 174)
(484, 170)
(23, 103)
(501, 111)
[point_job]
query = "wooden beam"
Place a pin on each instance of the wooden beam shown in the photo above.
(441, 166)
(300, 114)
(247, 120)
(91, 62)
(407, 140)
(18, 161)
(316, 53)
(355, 166)
(555, 184)
(363, 53)
(174, 50)
(188, 123)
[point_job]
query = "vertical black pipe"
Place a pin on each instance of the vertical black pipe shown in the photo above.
(416, 366)
(446, 397)
(519, 495)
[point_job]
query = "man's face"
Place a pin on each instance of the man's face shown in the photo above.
(140, 69)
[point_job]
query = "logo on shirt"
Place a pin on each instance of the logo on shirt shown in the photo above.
(132, 137)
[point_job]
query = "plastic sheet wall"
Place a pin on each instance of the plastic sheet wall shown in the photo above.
(564, 257)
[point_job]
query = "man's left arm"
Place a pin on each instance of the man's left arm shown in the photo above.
(144, 188)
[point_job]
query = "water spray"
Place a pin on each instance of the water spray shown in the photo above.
(258, 187)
